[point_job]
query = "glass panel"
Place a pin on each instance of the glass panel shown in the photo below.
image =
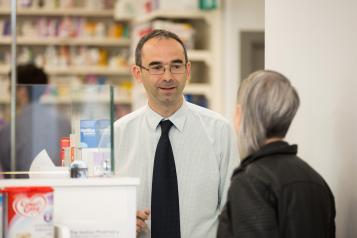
(69, 123)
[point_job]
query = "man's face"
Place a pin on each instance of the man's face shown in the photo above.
(163, 90)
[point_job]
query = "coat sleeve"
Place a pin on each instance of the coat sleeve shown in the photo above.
(249, 211)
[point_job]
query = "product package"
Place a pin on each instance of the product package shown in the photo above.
(92, 131)
(95, 145)
(28, 212)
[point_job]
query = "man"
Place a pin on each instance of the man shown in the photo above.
(38, 126)
(273, 194)
(182, 198)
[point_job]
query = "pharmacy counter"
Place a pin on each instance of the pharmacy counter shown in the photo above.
(90, 207)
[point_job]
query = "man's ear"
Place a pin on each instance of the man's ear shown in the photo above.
(22, 95)
(188, 71)
(136, 72)
(237, 117)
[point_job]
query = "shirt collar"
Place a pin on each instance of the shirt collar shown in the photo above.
(178, 118)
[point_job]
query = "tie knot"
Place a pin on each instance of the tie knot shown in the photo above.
(165, 126)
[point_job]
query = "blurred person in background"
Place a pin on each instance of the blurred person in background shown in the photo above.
(38, 126)
(273, 193)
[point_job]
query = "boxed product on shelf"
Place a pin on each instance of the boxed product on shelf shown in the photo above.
(5, 3)
(170, 5)
(125, 9)
(185, 31)
(69, 27)
(5, 27)
(72, 56)
(139, 30)
(208, 4)
(63, 4)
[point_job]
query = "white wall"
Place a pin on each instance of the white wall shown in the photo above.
(238, 15)
(314, 43)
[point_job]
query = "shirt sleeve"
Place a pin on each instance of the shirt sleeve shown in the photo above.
(228, 162)
(249, 211)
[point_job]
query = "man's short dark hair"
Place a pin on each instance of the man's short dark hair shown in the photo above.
(157, 34)
(29, 74)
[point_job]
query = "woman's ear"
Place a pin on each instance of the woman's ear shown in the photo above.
(237, 117)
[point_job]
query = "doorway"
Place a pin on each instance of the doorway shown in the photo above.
(252, 52)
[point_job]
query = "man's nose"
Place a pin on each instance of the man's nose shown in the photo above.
(167, 73)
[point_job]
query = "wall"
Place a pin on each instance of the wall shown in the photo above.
(314, 44)
(238, 15)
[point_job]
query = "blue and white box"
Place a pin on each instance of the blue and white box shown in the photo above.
(92, 131)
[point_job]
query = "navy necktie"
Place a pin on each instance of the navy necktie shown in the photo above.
(165, 208)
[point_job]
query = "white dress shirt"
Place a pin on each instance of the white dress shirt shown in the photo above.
(205, 155)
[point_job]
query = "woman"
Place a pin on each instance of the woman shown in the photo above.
(273, 192)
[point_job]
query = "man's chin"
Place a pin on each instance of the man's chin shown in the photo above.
(170, 100)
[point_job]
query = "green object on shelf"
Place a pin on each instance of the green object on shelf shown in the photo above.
(208, 4)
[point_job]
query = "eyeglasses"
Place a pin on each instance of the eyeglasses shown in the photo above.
(159, 69)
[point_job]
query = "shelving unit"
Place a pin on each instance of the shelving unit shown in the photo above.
(205, 57)
(85, 70)
(38, 41)
(115, 75)
(59, 12)
(173, 15)
(95, 41)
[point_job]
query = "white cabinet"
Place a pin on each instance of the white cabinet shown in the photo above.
(93, 205)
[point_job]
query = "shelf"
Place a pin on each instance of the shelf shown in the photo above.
(4, 100)
(86, 70)
(193, 56)
(67, 41)
(68, 100)
(4, 69)
(190, 14)
(59, 12)
(82, 99)
(200, 55)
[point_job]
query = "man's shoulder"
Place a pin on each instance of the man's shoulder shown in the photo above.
(206, 114)
(130, 118)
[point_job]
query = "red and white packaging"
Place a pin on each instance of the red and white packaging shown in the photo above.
(28, 212)
(64, 143)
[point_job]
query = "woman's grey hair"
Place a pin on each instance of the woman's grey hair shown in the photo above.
(268, 104)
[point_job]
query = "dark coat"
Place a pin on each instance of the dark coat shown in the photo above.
(274, 193)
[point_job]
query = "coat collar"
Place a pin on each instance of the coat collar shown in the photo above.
(274, 148)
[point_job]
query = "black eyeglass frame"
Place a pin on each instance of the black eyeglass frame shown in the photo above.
(147, 69)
